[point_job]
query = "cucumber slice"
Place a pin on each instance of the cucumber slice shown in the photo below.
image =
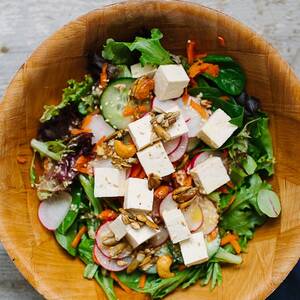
(113, 101)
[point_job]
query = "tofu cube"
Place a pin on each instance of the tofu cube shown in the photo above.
(142, 133)
(154, 159)
(194, 250)
(109, 182)
(169, 81)
(139, 236)
(176, 225)
(210, 174)
(216, 131)
(163, 106)
(137, 195)
(118, 228)
(137, 70)
(179, 127)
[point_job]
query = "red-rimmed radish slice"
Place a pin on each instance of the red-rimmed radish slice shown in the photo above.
(197, 159)
(172, 145)
(110, 264)
(99, 128)
(181, 149)
(160, 238)
(193, 216)
(103, 231)
(163, 106)
(210, 216)
(167, 204)
(53, 210)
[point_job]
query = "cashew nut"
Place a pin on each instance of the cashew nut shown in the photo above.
(163, 265)
(124, 150)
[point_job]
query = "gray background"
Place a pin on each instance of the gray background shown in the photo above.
(24, 24)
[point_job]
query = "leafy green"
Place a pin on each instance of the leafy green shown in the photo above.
(213, 274)
(268, 202)
(51, 149)
(218, 59)
(124, 72)
(85, 249)
(207, 92)
(226, 257)
(65, 240)
(87, 104)
(150, 49)
(90, 271)
(73, 211)
(175, 252)
(74, 93)
(32, 171)
(87, 183)
(249, 164)
(107, 285)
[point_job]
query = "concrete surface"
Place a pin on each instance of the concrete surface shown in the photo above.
(25, 24)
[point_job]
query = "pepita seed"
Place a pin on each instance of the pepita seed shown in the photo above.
(111, 241)
(135, 225)
(141, 218)
(151, 224)
(117, 249)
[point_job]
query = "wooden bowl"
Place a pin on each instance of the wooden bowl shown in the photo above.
(275, 248)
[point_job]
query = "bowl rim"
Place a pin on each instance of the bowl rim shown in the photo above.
(20, 264)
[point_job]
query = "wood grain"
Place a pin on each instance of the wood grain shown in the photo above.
(275, 249)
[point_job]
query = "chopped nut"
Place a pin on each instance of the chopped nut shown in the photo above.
(184, 193)
(142, 88)
(117, 249)
(126, 219)
(135, 225)
(153, 181)
(135, 262)
(187, 203)
(161, 132)
(146, 260)
(141, 218)
(206, 103)
(151, 224)
(109, 241)
(121, 263)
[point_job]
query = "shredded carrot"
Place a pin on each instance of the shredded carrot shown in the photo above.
(225, 98)
(199, 67)
(185, 96)
(200, 55)
(81, 165)
(142, 174)
(103, 76)
(142, 281)
(87, 120)
(221, 41)
(213, 70)
(200, 109)
(124, 287)
(136, 170)
(128, 111)
(223, 189)
(21, 159)
(101, 140)
(213, 234)
(227, 239)
(231, 200)
(78, 236)
(230, 184)
(181, 267)
(76, 131)
(190, 51)
(107, 215)
(142, 108)
(236, 246)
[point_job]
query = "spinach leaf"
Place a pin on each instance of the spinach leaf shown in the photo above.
(87, 183)
(150, 49)
(72, 94)
(85, 250)
(73, 211)
(218, 59)
(207, 92)
(65, 240)
(107, 285)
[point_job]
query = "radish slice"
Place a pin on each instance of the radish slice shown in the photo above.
(181, 149)
(160, 238)
(197, 159)
(210, 216)
(102, 231)
(172, 145)
(167, 204)
(193, 216)
(99, 128)
(108, 263)
(53, 210)
(162, 106)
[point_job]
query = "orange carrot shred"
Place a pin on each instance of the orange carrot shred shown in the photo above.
(107, 215)
(142, 281)
(78, 236)
(190, 51)
(230, 184)
(227, 239)
(103, 76)
(128, 111)
(236, 246)
(21, 159)
(81, 165)
(76, 131)
(231, 200)
(213, 70)
(124, 287)
(87, 120)
(223, 189)
(221, 41)
(181, 267)
(212, 236)
(185, 96)
(199, 67)
(142, 108)
(225, 98)
(200, 55)
(200, 109)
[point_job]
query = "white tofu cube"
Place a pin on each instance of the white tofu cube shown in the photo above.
(138, 71)
(194, 250)
(109, 182)
(118, 228)
(142, 133)
(154, 159)
(176, 225)
(216, 131)
(179, 127)
(139, 236)
(210, 174)
(163, 106)
(137, 195)
(169, 81)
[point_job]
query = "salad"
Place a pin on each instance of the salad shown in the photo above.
(152, 169)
